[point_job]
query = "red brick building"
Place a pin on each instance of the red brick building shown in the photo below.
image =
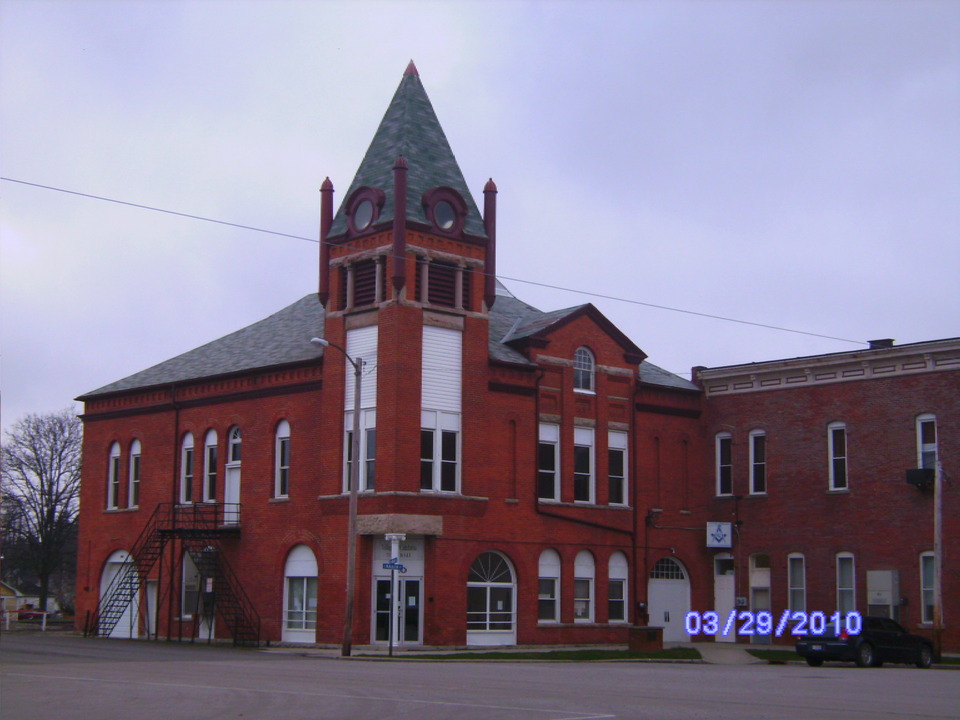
(537, 478)
(811, 461)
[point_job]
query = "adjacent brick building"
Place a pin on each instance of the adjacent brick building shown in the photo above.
(537, 478)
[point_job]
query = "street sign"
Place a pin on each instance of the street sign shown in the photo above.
(394, 566)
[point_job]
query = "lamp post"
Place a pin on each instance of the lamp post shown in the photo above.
(351, 591)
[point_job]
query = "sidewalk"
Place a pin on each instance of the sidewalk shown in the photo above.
(726, 653)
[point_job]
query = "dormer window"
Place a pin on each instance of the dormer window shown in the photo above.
(445, 210)
(583, 370)
(363, 209)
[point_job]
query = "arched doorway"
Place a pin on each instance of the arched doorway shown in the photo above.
(668, 599)
(491, 599)
(300, 596)
(127, 625)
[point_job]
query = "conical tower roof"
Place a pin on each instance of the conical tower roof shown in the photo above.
(410, 128)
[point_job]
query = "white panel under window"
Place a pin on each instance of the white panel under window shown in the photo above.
(583, 436)
(362, 342)
(549, 432)
(442, 368)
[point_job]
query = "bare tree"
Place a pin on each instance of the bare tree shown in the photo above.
(40, 474)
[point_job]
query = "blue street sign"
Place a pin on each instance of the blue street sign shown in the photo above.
(394, 566)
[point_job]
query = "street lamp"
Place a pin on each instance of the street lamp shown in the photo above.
(351, 592)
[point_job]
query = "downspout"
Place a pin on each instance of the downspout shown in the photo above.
(177, 459)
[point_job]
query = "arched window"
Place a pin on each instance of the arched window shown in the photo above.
(584, 574)
(233, 455)
(113, 477)
(667, 569)
(724, 463)
(490, 600)
(300, 596)
(210, 466)
(583, 370)
(281, 474)
(186, 469)
(619, 571)
(133, 480)
(548, 595)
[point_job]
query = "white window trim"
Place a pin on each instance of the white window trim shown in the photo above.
(234, 443)
(928, 447)
(368, 422)
(210, 471)
(585, 437)
(133, 477)
(592, 390)
(852, 589)
(549, 435)
(113, 477)
(550, 569)
(439, 422)
(791, 588)
(618, 440)
(584, 569)
(282, 434)
(186, 448)
(754, 434)
(832, 456)
(618, 570)
(717, 466)
(924, 589)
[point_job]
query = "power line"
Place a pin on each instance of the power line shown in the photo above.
(503, 277)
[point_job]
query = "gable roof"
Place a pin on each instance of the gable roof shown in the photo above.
(410, 128)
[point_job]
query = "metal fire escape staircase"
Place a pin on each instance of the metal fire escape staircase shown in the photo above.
(199, 527)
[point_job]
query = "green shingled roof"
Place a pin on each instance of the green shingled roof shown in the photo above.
(410, 128)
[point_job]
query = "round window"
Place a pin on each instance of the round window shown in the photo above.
(363, 215)
(444, 215)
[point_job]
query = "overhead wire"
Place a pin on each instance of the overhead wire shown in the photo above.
(548, 286)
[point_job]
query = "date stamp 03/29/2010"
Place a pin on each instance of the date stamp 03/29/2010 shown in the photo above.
(794, 622)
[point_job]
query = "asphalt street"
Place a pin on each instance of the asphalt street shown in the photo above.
(71, 678)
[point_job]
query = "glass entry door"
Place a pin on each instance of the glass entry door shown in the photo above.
(408, 611)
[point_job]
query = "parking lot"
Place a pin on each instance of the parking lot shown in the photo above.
(69, 677)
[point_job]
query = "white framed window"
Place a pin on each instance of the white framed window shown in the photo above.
(796, 582)
(300, 595)
(186, 469)
(846, 583)
(583, 465)
(724, 463)
(548, 462)
(210, 466)
(281, 460)
(235, 445)
(584, 369)
(439, 451)
(584, 575)
(618, 574)
(548, 595)
(927, 570)
(133, 478)
(113, 477)
(617, 466)
(758, 462)
(927, 442)
(368, 451)
(837, 450)
(491, 593)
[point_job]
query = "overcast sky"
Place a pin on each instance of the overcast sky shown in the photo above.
(794, 164)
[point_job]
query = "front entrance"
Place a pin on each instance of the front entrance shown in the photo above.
(724, 592)
(408, 611)
(668, 599)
